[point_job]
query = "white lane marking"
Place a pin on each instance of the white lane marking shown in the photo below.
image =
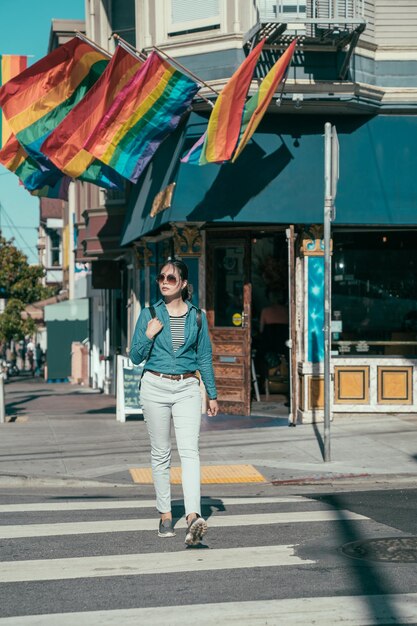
(31, 507)
(157, 563)
(326, 611)
(13, 531)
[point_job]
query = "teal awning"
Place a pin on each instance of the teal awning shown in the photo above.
(278, 179)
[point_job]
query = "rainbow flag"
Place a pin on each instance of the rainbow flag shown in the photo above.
(257, 105)
(59, 191)
(38, 99)
(33, 176)
(102, 175)
(64, 146)
(10, 66)
(226, 117)
(193, 155)
(15, 158)
(143, 114)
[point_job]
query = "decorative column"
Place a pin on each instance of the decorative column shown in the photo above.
(143, 263)
(187, 240)
(310, 369)
(187, 243)
(312, 248)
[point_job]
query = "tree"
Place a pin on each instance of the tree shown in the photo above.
(20, 285)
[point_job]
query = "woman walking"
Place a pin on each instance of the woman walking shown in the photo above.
(172, 336)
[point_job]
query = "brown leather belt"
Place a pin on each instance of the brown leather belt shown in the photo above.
(174, 376)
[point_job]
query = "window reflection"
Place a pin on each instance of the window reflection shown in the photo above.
(228, 290)
(374, 293)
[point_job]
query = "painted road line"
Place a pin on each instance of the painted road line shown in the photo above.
(14, 531)
(156, 563)
(327, 611)
(32, 507)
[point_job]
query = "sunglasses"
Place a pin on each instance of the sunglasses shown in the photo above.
(171, 279)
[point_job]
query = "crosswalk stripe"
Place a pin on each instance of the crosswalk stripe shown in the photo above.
(326, 611)
(30, 507)
(157, 563)
(13, 531)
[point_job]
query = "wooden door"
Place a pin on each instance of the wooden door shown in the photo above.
(229, 296)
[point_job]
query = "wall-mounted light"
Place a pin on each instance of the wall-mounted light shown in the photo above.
(296, 138)
(297, 98)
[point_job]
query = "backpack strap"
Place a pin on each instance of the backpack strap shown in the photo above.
(153, 315)
(198, 318)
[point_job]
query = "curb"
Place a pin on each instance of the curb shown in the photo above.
(319, 478)
(345, 479)
(20, 480)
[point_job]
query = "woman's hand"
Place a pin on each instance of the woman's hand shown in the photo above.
(213, 408)
(154, 327)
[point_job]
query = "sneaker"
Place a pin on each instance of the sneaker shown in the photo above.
(165, 528)
(196, 531)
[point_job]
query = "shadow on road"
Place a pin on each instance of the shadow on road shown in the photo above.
(207, 508)
(372, 582)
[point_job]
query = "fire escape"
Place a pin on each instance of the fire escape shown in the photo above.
(337, 24)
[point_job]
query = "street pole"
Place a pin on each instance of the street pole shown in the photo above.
(2, 400)
(328, 210)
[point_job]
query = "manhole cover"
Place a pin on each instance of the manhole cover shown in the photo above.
(390, 549)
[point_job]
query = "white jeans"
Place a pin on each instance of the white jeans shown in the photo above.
(162, 399)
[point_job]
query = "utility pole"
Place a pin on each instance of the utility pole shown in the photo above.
(2, 400)
(331, 176)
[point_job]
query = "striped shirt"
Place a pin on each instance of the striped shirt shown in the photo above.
(177, 324)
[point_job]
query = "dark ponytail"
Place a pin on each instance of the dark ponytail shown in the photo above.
(182, 268)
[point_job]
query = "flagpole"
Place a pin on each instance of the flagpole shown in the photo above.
(186, 70)
(286, 76)
(93, 44)
(129, 48)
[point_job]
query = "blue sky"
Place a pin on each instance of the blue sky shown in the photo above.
(25, 28)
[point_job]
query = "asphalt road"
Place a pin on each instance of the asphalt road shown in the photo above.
(394, 507)
(280, 557)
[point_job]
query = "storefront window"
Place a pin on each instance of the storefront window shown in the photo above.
(55, 248)
(228, 285)
(374, 293)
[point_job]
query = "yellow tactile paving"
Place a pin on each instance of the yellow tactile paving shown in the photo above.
(210, 474)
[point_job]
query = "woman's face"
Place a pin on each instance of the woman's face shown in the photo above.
(170, 283)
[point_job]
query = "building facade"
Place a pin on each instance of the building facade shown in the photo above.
(251, 232)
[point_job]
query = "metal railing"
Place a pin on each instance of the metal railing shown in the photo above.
(313, 18)
(285, 10)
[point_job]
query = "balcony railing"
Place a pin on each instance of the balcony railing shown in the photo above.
(315, 22)
(315, 9)
(113, 196)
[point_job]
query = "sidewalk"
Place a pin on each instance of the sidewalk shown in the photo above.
(66, 434)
